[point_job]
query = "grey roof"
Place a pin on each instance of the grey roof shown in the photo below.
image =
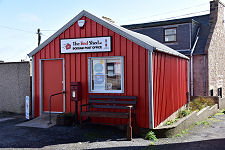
(137, 38)
(202, 21)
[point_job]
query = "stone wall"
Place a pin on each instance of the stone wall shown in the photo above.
(215, 48)
(14, 86)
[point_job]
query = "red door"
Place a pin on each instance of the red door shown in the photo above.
(52, 84)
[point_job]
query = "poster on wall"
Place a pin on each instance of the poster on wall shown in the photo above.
(117, 68)
(84, 45)
(99, 74)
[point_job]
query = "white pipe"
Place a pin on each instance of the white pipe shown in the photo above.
(188, 81)
(33, 87)
(150, 84)
(191, 61)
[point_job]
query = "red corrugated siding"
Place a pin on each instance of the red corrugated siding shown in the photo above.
(76, 65)
(169, 85)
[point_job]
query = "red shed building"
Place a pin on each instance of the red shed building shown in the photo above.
(108, 59)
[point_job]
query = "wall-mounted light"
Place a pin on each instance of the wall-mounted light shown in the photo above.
(81, 23)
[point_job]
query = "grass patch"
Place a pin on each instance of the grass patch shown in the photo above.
(170, 122)
(185, 131)
(221, 111)
(214, 119)
(152, 143)
(202, 123)
(179, 135)
(218, 114)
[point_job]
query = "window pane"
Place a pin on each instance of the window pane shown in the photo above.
(170, 38)
(113, 74)
(98, 71)
(170, 31)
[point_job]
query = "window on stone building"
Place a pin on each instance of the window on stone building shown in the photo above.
(170, 35)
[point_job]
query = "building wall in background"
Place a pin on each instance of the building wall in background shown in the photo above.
(183, 35)
(199, 75)
(216, 49)
(14, 86)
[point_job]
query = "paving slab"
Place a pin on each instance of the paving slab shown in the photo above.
(5, 119)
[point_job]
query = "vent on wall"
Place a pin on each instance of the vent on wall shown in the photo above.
(220, 92)
(211, 92)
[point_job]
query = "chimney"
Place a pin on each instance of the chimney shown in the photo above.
(216, 13)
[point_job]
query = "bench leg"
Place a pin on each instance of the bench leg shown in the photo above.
(129, 127)
(80, 120)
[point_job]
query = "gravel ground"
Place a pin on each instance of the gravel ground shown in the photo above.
(209, 134)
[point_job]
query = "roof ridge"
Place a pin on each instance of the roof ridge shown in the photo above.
(161, 21)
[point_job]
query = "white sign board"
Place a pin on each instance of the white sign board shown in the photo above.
(27, 107)
(82, 45)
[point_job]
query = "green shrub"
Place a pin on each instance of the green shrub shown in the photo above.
(179, 135)
(151, 136)
(183, 113)
(201, 102)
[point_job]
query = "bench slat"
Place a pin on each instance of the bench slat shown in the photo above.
(111, 97)
(112, 102)
(105, 114)
(109, 106)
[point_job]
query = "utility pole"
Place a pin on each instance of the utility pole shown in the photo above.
(39, 36)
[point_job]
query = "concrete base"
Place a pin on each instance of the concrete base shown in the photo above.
(40, 122)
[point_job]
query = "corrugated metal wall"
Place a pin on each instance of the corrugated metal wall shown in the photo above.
(169, 85)
(76, 66)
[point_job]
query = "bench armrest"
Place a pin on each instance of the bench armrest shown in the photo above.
(130, 106)
(83, 105)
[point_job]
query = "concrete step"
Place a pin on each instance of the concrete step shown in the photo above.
(40, 122)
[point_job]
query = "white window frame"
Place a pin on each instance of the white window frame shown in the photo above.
(90, 74)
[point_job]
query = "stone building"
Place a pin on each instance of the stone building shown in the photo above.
(202, 39)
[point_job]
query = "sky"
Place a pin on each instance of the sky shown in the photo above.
(20, 19)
